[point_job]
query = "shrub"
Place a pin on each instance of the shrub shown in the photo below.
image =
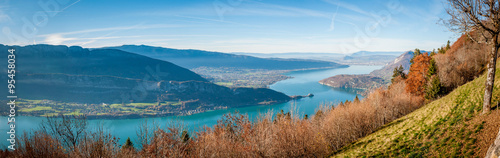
(464, 61)
(235, 135)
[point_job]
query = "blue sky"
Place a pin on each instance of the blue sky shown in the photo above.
(256, 26)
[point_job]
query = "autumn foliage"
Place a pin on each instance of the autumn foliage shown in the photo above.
(463, 62)
(417, 77)
(281, 135)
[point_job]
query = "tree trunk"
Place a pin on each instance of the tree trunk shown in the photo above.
(490, 79)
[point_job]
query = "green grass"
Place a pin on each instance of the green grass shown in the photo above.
(224, 83)
(37, 108)
(54, 108)
(440, 128)
(143, 104)
(77, 112)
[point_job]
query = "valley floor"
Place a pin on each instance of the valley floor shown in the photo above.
(236, 77)
(43, 108)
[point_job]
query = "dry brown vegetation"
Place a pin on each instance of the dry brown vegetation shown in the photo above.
(463, 62)
(281, 135)
(285, 135)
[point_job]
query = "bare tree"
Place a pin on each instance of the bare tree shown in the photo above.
(146, 132)
(67, 129)
(483, 18)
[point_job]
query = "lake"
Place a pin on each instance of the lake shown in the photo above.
(302, 83)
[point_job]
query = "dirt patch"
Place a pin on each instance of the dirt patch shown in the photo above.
(487, 135)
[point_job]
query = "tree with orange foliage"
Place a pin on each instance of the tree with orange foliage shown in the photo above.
(417, 77)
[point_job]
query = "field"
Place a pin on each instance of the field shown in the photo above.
(53, 108)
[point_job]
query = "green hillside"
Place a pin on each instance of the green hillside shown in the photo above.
(78, 80)
(448, 127)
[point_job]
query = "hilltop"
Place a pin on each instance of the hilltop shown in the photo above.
(386, 71)
(353, 81)
(60, 79)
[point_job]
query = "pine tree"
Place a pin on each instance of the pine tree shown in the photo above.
(288, 116)
(185, 136)
(432, 68)
(279, 115)
(433, 88)
(441, 51)
(128, 144)
(347, 102)
(398, 72)
(341, 103)
(401, 72)
(356, 100)
(433, 52)
(416, 53)
(447, 46)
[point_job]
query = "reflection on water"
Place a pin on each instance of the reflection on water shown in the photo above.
(303, 83)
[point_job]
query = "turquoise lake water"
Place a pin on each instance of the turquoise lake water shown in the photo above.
(302, 83)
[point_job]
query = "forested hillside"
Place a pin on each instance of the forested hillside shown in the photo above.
(73, 77)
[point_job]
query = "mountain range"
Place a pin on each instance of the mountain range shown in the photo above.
(76, 74)
(357, 58)
(190, 59)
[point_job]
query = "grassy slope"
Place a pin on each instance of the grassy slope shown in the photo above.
(448, 127)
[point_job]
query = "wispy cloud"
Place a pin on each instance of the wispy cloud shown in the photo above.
(59, 38)
(3, 16)
(246, 8)
(120, 28)
(213, 20)
(108, 40)
(347, 6)
(267, 9)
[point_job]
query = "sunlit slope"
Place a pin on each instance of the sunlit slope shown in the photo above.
(449, 126)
